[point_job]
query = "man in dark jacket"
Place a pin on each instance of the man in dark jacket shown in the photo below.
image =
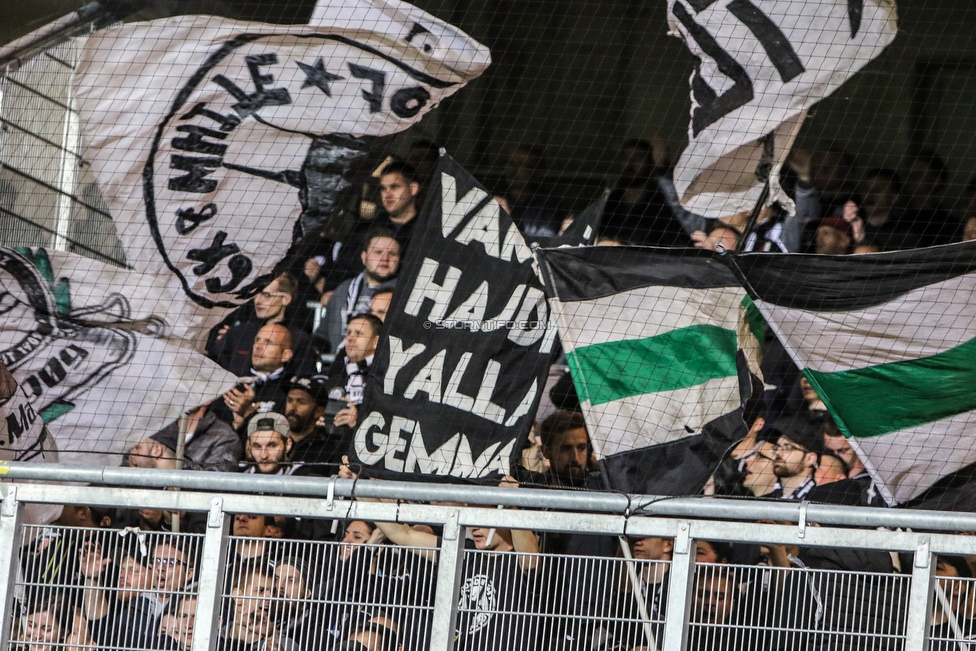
(318, 445)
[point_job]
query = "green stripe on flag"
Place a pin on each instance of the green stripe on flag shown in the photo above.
(890, 397)
(675, 360)
(757, 324)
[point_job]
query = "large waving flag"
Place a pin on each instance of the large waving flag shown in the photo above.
(220, 144)
(889, 343)
(664, 348)
(466, 346)
(85, 342)
(762, 65)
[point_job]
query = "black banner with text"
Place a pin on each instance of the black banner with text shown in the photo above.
(466, 346)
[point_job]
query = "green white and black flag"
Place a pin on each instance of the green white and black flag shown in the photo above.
(664, 347)
(888, 341)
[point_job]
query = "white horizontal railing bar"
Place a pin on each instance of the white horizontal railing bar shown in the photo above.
(540, 499)
(535, 520)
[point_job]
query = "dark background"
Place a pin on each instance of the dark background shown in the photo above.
(580, 76)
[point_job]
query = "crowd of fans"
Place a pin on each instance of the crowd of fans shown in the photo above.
(370, 586)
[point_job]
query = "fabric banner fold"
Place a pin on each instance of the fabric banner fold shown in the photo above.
(761, 65)
(86, 348)
(219, 145)
(664, 348)
(888, 342)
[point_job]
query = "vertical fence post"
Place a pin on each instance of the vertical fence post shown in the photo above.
(11, 519)
(211, 583)
(920, 597)
(449, 575)
(681, 578)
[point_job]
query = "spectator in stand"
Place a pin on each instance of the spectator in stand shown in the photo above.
(637, 211)
(232, 345)
(350, 370)
(174, 568)
(319, 445)
(926, 181)
(176, 624)
(566, 444)
(533, 206)
(46, 622)
(716, 611)
(125, 617)
(830, 469)
(710, 551)
(210, 444)
(953, 572)
(268, 447)
(253, 625)
(379, 305)
(380, 262)
(256, 534)
(52, 557)
(615, 600)
(266, 389)
(837, 444)
(301, 620)
(794, 461)
(884, 209)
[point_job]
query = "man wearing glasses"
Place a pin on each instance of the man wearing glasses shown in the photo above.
(231, 346)
(174, 568)
(795, 459)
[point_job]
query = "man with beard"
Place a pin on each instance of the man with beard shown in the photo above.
(795, 461)
(637, 211)
(319, 447)
(566, 444)
(268, 447)
(380, 257)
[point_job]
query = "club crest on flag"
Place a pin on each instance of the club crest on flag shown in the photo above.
(244, 138)
(53, 369)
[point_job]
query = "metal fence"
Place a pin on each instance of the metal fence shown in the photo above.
(268, 581)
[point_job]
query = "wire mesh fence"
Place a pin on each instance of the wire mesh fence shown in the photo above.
(285, 176)
(114, 589)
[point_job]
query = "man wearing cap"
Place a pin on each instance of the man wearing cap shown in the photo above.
(268, 447)
(319, 446)
(211, 444)
(795, 462)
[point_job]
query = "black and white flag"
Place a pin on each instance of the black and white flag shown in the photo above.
(86, 344)
(761, 65)
(220, 144)
(467, 343)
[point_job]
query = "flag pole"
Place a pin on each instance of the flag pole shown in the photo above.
(753, 216)
(182, 426)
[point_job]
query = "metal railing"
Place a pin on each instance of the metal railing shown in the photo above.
(252, 582)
